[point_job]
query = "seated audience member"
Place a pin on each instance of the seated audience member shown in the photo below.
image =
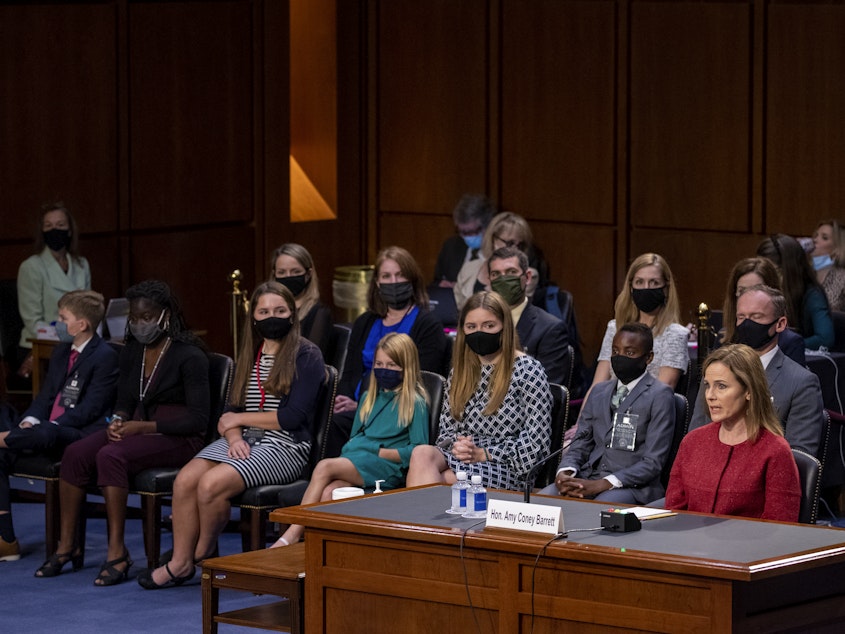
(265, 433)
(392, 419)
(507, 229)
(649, 297)
(625, 431)
(796, 395)
(543, 336)
(806, 303)
(496, 416)
(292, 266)
(471, 217)
(160, 420)
(397, 302)
(740, 463)
(76, 395)
(758, 272)
(43, 278)
(828, 256)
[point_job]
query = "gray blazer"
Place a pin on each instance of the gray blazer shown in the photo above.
(797, 399)
(640, 469)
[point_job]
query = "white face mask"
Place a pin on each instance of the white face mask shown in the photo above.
(822, 262)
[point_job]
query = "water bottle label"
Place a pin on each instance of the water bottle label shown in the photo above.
(480, 501)
(463, 494)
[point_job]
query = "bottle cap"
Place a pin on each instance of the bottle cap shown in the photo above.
(476, 479)
(461, 475)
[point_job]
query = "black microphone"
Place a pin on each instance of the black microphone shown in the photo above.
(529, 479)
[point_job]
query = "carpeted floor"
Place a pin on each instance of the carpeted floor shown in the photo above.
(72, 603)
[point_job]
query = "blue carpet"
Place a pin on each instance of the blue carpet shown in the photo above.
(72, 603)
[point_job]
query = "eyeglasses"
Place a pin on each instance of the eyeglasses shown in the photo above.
(466, 233)
(508, 243)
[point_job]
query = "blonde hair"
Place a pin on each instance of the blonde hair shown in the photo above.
(284, 361)
(838, 254)
(744, 363)
(466, 365)
(626, 310)
(87, 305)
(507, 220)
(403, 352)
(311, 294)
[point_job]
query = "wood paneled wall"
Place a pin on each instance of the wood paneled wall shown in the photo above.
(616, 127)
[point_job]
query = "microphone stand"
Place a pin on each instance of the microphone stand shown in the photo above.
(529, 479)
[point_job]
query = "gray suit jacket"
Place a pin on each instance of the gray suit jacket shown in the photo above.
(797, 399)
(640, 469)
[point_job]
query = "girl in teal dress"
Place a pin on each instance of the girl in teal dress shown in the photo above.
(391, 419)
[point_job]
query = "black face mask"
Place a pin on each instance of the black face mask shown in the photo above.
(294, 283)
(388, 379)
(274, 327)
(57, 239)
(484, 343)
(753, 334)
(648, 300)
(396, 295)
(627, 369)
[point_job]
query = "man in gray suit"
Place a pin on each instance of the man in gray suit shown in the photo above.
(797, 397)
(625, 430)
(542, 335)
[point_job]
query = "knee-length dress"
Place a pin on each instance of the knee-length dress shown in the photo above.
(516, 436)
(280, 455)
(382, 429)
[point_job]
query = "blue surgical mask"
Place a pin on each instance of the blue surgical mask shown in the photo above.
(821, 262)
(62, 333)
(473, 242)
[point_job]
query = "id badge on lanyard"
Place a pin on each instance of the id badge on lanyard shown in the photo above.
(624, 434)
(70, 392)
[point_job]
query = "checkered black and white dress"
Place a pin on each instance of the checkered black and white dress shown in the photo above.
(278, 458)
(517, 436)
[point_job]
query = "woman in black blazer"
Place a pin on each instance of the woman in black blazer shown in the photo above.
(160, 419)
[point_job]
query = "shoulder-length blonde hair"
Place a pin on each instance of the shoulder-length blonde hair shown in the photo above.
(763, 267)
(284, 361)
(626, 310)
(410, 269)
(311, 294)
(744, 363)
(838, 234)
(466, 365)
(403, 352)
(507, 220)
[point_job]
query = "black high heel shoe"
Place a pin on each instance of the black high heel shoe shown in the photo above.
(53, 566)
(110, 575)
(145, 579)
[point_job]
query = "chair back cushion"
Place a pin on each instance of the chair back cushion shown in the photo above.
(220, 373)
(809, 475)
(434, 385)
(682, 415)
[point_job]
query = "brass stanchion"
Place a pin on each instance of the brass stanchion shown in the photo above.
(239, 308)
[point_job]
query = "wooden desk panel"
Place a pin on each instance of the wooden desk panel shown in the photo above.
(379, 575)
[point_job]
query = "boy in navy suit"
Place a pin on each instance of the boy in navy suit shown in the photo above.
(624, 432)
(77, 393)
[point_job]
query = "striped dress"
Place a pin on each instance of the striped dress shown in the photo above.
(278, 457)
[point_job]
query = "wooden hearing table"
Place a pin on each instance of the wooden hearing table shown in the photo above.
(395, 562)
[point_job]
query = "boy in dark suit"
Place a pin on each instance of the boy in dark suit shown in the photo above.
(78, 392)
(624, 432)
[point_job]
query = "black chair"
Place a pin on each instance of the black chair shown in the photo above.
(434, 385)
(339, 342)
(682, 416)
(809, 475)
(155, 486)
(560, 423)
(838, 331)
(256, 502)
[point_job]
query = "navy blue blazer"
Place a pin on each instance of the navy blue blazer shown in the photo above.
(640, 469)
(546, 338)
(96, 371)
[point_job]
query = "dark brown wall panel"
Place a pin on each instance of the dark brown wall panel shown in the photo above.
(431, 104)
(558, 106)
(422, 235)
(190, 72)
(200, 282)
(58, 117)
(690, 115)
(805, 157)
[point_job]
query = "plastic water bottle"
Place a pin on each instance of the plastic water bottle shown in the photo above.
(459, 493)
(476, 499)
